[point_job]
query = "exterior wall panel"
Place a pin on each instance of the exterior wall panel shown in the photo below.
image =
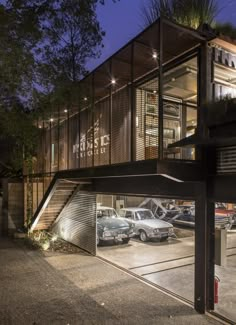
(101, 133)
(77, 222)
(121, 127)
(74, 140)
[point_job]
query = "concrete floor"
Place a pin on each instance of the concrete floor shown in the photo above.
(170, 265)
(39, 288)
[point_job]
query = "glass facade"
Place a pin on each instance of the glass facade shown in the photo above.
(101, 131)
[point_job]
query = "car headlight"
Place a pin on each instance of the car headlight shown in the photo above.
(132, 225)
(107, 234)
(171, 230)
(155, 231)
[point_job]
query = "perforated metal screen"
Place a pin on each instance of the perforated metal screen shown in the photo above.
(77, 222)
(226, 160)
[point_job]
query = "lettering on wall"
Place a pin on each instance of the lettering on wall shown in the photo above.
(89, 144)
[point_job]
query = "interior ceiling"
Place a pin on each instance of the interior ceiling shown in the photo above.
(180, 82)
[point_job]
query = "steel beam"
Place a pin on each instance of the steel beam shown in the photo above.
(156, 186)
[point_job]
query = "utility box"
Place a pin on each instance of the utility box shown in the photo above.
(220, 246)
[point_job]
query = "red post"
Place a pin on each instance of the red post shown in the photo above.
(216, 289)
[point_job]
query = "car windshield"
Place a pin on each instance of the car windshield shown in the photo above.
(144, 214)
(106, 213)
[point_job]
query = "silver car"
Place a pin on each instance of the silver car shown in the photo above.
(146, 225)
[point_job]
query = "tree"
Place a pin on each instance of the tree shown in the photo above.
(191, 13)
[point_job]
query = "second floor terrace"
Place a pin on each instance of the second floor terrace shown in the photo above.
(147, 96)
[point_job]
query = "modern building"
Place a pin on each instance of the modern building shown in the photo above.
(145, 126)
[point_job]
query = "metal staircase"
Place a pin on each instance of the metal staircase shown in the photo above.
(54, 201)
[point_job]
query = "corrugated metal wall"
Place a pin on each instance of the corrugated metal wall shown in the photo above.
(226, 160)
(77, 222)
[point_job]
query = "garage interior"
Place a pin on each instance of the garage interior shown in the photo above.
(170, 264)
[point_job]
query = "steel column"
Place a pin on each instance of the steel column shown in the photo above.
(110, 112)
(160, 93)
(133, 109)
(200, 248)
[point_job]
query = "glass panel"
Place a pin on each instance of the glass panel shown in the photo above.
(180, 108)
(147, 120)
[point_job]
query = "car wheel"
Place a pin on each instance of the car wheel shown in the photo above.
(143, 236)
(125, 240)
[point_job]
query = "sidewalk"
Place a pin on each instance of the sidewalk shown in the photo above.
(56, 288)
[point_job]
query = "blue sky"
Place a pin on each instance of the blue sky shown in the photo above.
(122, 21)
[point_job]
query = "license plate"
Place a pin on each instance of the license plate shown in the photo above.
(164, 235)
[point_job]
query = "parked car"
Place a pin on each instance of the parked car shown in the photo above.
(161, 209)
(112, 228)
(146, 225)
(187, 219)
(221, 209)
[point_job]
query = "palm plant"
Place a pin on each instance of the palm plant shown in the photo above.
(191, 13)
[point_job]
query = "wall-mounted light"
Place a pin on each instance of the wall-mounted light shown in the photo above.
(113, 81)
(85, 99)
(154, 55)
(40, 126)
(51, 120)
(154, 91)
(65, 110)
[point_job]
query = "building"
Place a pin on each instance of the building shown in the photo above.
(145, 127)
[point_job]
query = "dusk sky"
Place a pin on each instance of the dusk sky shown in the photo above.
(122, 21)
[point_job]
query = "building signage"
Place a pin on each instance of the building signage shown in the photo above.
(91, 143)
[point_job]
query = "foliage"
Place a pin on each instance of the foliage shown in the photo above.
(40, 239)
(72, 34)
(226, 29)
(18, 125)
(45, 45)
(191, 13)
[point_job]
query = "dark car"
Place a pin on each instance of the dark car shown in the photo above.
(112, 228)
(221, 209)
(187, 219)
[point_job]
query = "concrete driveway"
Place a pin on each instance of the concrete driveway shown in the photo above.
(164, 263)
(55, 288)
(170, 265)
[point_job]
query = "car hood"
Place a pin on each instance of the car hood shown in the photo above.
(112, 223)
(155, 223)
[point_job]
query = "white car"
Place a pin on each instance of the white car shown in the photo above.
(146, 225)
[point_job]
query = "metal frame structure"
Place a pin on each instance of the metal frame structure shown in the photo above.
(131, 66)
